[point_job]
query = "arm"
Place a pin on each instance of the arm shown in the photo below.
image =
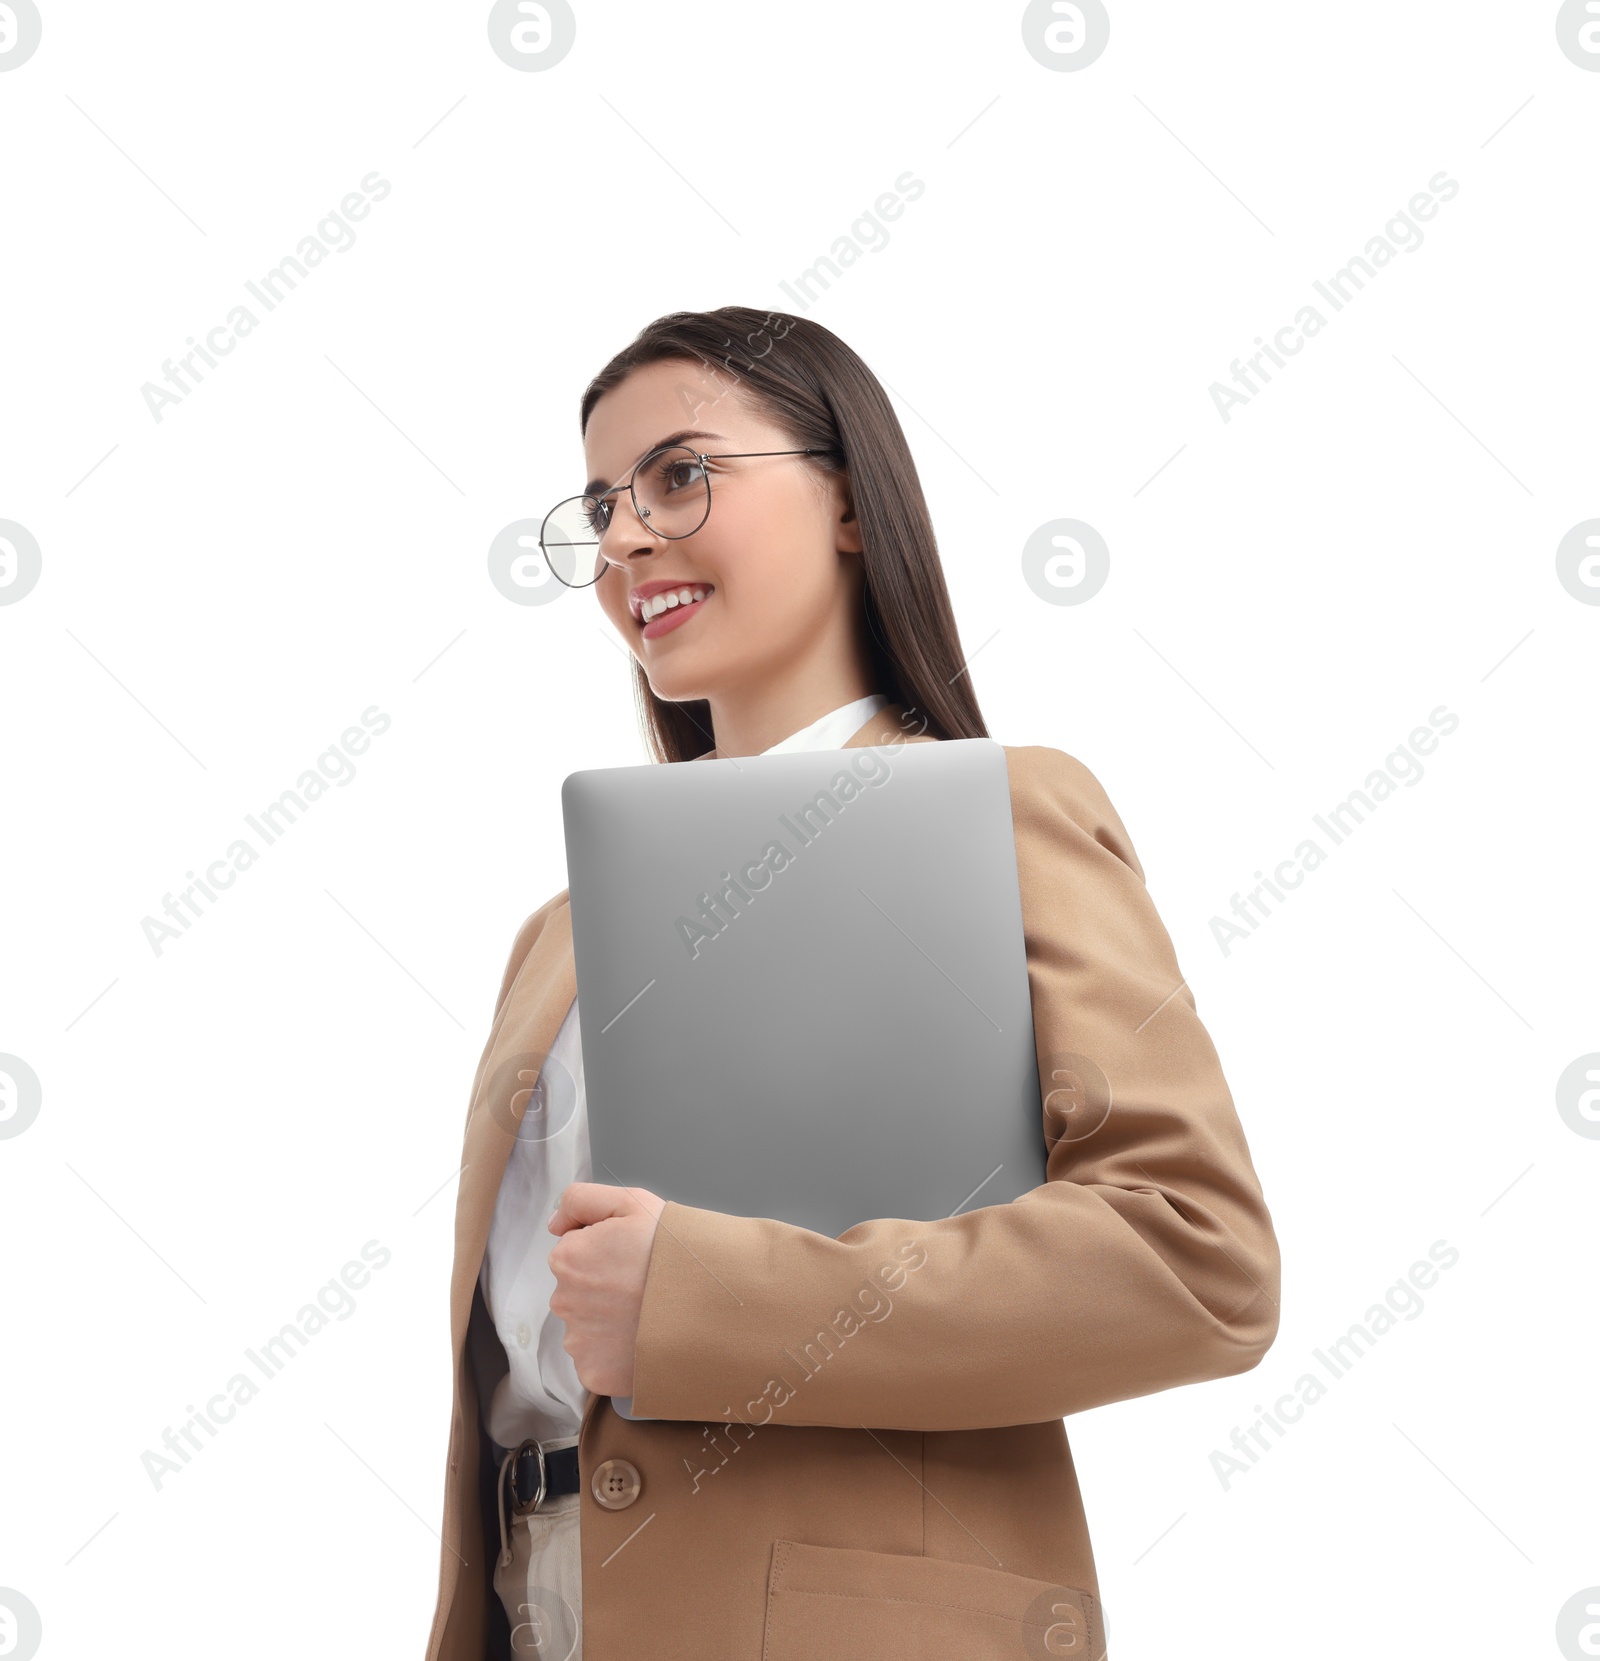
(532, 927)
(1147, 1259)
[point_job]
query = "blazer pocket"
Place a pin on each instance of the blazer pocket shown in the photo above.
(854, 1605)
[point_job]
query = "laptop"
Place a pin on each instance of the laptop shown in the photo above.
(803, 985)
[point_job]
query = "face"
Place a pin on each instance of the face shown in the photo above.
(777, 559)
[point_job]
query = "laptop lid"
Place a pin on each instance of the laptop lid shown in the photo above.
(802, 983)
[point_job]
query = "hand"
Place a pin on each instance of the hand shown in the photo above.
(600, 1263)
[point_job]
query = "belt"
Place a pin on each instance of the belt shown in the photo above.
(537, 1472)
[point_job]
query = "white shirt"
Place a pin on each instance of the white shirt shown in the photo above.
(540, 1396)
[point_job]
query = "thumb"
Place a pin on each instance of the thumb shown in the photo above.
(583, 1203)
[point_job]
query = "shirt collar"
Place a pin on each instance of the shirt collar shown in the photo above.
(830, 731)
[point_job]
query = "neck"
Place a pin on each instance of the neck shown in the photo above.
(747, 726)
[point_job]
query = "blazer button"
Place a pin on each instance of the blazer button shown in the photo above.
(615, 1483)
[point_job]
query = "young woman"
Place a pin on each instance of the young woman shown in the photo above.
(638, 1465)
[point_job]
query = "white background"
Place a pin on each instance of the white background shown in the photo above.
(1291, 592)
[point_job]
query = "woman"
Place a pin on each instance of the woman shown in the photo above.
(755, 532)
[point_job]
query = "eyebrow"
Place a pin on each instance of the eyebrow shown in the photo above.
(599, 487)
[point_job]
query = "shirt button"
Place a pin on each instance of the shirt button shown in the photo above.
(523, 1335)
(615, 1483)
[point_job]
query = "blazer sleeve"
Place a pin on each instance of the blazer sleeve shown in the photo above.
(1147, 1259)
(532, 927)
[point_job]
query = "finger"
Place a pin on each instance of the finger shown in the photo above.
(562, 1219)
(633, 1200)
(583, 1203)
(563, 1222)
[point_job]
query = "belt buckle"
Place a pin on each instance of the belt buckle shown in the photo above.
(518, 1508)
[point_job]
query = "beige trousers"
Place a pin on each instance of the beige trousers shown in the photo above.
(539, 1574)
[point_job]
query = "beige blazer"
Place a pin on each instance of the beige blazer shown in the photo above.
(859, 1449)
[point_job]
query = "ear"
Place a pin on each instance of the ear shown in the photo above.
(847, 538)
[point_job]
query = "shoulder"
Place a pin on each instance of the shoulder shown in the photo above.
(1054, 794)
(534, 925)
(527, 936)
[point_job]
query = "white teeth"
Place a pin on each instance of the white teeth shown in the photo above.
(665, 601)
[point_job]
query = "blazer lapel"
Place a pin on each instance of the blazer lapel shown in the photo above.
(529, 1020)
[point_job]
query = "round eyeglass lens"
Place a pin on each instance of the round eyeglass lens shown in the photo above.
(672, 491)
(570, 539)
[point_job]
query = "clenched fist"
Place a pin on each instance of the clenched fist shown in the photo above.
(600, 1263)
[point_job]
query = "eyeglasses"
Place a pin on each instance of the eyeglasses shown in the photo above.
(671, 493)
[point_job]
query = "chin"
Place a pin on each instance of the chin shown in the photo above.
(679, 695)
(683, 683)
(675, 686)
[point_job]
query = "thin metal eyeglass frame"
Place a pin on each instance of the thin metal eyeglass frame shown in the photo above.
(660, 450)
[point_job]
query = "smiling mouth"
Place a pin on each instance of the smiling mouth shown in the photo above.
(662, 613)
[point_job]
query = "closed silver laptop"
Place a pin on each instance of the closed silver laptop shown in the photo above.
(802, 983)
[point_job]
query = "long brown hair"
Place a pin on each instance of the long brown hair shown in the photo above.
(804, 378)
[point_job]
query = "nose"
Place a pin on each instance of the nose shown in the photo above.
(625, 537)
